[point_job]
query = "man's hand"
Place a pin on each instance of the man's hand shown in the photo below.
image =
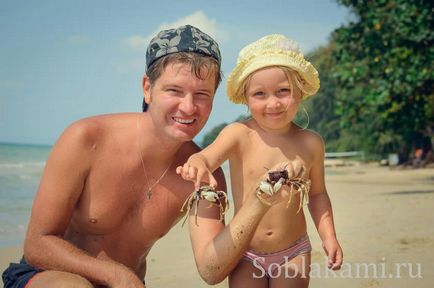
(125, 278)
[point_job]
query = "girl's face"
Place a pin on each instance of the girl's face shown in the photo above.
(272, 99)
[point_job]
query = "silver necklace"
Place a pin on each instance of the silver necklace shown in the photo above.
(149, 188)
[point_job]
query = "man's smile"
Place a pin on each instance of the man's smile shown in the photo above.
(183, 121)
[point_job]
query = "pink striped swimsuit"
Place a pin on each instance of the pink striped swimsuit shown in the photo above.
(300, 246)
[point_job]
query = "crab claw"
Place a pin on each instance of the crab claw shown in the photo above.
(266, 187)
(278, 185)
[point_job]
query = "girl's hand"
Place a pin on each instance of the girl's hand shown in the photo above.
(334, 253)
(196, 170)
(294, 168)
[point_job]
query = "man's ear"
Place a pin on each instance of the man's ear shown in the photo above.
(146, 88)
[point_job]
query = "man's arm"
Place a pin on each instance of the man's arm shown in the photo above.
(61, 186)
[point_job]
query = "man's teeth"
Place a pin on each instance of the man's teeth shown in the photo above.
(183, 121)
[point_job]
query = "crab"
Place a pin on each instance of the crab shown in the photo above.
(275, 181)
(208, 193)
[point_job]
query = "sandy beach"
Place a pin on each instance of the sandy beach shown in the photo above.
(383, 219)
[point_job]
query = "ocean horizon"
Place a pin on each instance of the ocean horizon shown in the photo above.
(21, 167)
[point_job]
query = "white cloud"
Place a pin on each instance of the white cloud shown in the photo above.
(198, 19)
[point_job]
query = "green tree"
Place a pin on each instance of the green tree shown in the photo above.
(211, 135)
(383, 64)
(321, 108)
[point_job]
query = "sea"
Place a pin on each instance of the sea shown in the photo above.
(21, 167)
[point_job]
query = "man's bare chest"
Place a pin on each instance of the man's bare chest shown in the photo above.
(122, 203)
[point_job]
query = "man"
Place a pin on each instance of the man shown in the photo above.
(110, 190)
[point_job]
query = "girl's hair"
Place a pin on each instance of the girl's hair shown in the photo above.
(292, 76)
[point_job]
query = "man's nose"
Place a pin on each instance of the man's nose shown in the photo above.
(187, 104)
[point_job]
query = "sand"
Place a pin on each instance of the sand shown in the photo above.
(383, 219)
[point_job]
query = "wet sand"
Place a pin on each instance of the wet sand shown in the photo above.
(383, 219)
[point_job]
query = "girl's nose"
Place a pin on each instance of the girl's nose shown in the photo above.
(274, 103)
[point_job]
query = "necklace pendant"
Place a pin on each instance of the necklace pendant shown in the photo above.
(149, 193)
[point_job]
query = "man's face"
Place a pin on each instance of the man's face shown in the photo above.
(180, 103)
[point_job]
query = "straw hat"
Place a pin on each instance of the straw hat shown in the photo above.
(271, 50)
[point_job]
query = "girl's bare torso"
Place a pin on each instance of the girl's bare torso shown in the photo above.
(258, 150)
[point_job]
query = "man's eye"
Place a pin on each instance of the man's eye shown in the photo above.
(203, 95)
(172, 90)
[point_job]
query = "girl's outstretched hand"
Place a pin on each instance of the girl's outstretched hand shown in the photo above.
(196, 170)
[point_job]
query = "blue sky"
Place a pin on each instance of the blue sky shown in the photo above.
(64, 60)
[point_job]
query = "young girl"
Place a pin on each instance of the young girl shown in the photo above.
(272, 78)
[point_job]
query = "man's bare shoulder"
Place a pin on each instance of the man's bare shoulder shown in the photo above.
(107, 121)
(188, 148)
(92, 131)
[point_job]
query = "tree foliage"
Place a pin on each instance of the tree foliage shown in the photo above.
(376, 80)
(383, 65)
(321, 108)
(211, 135)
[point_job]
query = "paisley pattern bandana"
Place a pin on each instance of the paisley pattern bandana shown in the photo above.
(182, 39)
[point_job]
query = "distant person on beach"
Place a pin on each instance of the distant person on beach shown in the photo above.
(109, 190)
(272, 78)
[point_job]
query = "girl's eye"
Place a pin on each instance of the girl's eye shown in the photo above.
(284, 90)
(258, 94)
